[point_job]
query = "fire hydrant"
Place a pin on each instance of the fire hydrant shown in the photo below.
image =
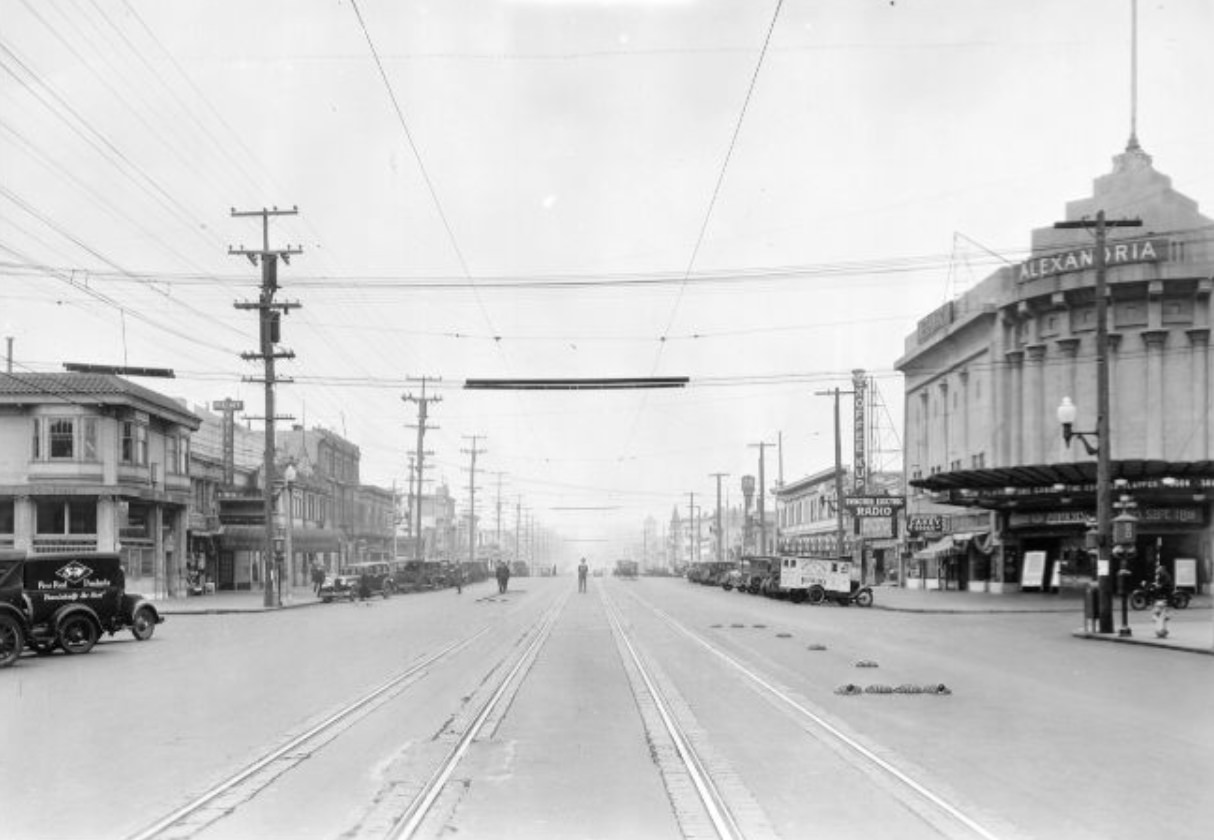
(1162, 614)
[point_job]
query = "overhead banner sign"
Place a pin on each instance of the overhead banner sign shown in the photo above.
(1079, 259)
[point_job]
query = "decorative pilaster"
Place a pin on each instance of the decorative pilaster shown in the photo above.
(1068, 349)
(1199, 364)
(1034, 400)
(1154, 340)
(1015, 363)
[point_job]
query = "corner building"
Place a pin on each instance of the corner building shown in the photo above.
(986, 373)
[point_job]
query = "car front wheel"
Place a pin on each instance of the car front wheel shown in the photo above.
(77, 634)
(143, 623)
(12, 640)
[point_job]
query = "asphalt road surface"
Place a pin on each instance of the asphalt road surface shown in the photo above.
(652, 708)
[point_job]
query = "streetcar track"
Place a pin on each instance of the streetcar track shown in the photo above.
(849, 743)
(228, 795)
(415, 814)
(714, 802)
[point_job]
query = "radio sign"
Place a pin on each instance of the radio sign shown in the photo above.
(862, 506)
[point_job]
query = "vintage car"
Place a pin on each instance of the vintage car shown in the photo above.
(374, 578)
(66, 601)
(339, 588)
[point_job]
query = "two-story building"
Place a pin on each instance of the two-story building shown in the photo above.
(95, 462)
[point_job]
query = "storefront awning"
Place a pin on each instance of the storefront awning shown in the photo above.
(939, 548)
(253, 538)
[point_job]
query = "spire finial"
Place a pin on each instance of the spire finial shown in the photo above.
(1132, 145)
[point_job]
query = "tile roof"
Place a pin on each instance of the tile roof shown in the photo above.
(100, 388)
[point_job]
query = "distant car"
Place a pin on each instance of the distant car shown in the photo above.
(375, 578)
(66, 601)
(339, 588)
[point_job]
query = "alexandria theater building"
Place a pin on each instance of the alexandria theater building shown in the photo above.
(997, 501)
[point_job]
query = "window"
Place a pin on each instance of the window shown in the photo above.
(88, 438)
(61, 434)
(8, 516)
(1129, 313)
(172, 448)
(61, 516)
(1177, 310)
(133, 446)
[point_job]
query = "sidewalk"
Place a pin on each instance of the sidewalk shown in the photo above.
(1190, 630)
(219, 603)
(250, 601)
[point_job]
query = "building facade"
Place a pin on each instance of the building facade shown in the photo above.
(985, 375)
(94, 462)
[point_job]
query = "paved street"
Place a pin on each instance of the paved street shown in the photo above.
(576, 745)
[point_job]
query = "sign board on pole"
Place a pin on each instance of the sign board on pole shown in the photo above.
(1186, 572)
(1032, 575)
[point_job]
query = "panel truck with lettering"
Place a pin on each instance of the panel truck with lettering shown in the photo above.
(66, 601)
(816, 580)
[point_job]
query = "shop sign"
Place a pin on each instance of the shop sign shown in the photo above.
(1048, 517)
(861, 506)
(1155, 515)
(859, 458)
(934, 523)
(1078, 259)
(935, 321)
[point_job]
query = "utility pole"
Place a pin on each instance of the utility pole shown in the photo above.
(838, 469)
(423, 405)
(518, 525)
(499, 475)
(473, 452)
(1104, 445)
(720, 534)
(270, 315)
(762, 446)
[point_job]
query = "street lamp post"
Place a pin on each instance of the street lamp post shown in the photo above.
(1125, 539)
(1066, 412)
(1104, 507)
(288, 476)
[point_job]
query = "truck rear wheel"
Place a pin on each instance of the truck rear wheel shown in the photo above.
(77, 633)
(816, 594)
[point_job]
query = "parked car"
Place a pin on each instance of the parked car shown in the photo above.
(66, 601)
(374, 578)
(339, 588)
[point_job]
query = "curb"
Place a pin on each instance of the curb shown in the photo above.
(947, 611)
(1147, 642)
(240, 610)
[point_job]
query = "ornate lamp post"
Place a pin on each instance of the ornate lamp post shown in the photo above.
(1104, 508)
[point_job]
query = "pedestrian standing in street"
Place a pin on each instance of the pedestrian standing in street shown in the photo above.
(503, 578)
(318, 578)
(458, 577)
(582, 571)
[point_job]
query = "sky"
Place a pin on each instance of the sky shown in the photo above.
(760, 196)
